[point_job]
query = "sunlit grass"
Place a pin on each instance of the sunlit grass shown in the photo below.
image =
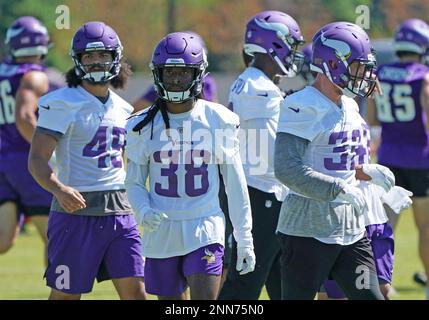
(21, 269)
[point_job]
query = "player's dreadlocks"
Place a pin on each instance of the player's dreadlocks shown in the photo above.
(159, 105)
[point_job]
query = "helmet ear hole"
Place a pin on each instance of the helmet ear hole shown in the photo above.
(276, 45)
(332, 64)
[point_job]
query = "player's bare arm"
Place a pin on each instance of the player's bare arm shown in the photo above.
(42, 147)
(33, 85)
(424, 94)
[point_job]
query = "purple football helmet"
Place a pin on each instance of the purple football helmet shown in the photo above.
(179, 49)
(335, 48)
(412, 35)
(198, 37)
(340, 24)
(278, 35)
(94, 36)
(27, 36)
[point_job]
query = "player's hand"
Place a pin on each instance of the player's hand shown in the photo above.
(377, 88)
(354, 196)
(70, 199)
(246, 260)
(380, 175)
(152, 220)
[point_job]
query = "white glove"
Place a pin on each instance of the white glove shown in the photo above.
(246, 260)
(398, 199)
(152, 220)
(354, 196)
(380, 175)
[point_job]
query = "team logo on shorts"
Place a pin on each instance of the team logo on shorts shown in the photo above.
(209, 256)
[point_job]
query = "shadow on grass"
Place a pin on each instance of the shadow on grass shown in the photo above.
(407, 289)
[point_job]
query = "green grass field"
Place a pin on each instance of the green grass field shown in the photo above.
(21, 269)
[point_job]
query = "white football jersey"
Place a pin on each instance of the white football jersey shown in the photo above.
(183, 168)
(184, 176)
(89, 153)
(375, 212)
(256, 100)
(337, 135)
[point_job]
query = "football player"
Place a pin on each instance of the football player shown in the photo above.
(273, 38)
(92, 231)
(322, 226)
(174, 143)
(401, 112)
(22, 81)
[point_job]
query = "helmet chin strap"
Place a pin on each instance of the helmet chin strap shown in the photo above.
(277, 60)
(290, 72)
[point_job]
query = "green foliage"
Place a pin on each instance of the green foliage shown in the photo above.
(141, 24)
(42, 10)
(344, 10)
(199, 4)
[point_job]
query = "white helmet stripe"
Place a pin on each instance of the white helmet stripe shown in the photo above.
(342, 49)
(274, 26)
(11, 33)
(423, 31)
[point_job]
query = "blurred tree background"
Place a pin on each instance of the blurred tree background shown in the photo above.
(141, 23)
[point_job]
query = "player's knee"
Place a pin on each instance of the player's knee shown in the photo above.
(138, 293)
(5, 244)
(4, 249)
(135, 291)
(424, 231)
(58, 295)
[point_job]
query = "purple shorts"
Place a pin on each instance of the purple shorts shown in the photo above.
(383, 247)
(82, 248)
(167, 277)
(332, 290)
(19, 186)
